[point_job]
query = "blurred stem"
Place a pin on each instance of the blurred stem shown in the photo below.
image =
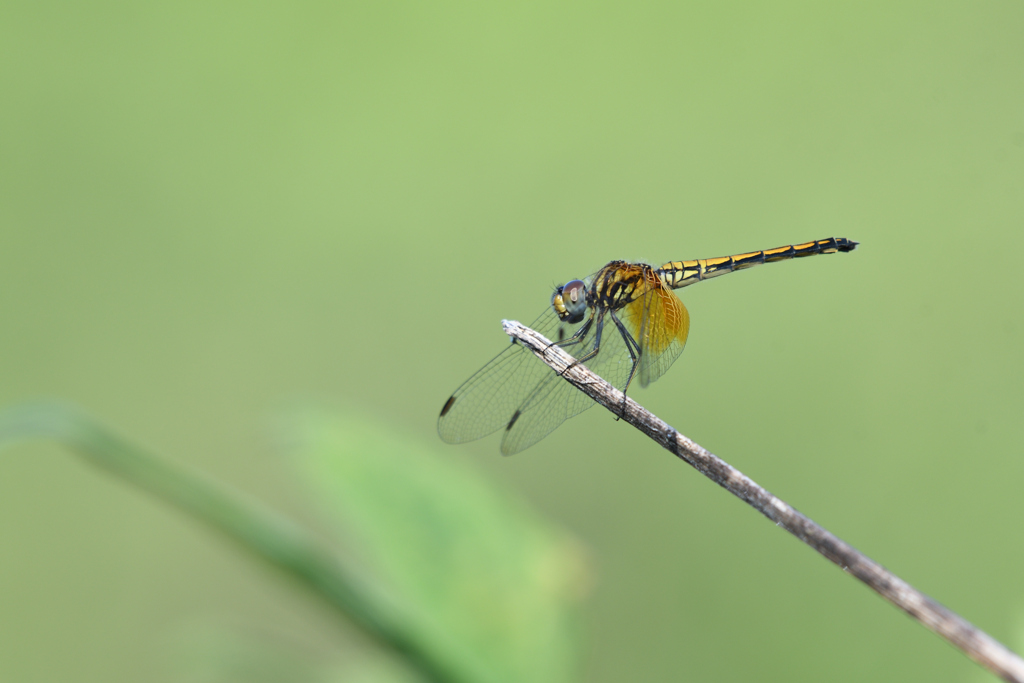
(259, 530)
(969, 639)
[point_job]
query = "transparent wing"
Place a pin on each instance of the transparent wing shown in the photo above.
(551, 404)
(554, 400)
(487, 401)
(516, 384)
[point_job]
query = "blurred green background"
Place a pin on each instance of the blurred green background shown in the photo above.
(211, 213)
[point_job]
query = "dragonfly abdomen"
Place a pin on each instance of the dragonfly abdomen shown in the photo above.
(676, 274)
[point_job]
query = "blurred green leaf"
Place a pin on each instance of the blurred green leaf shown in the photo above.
(269, 536)
(489, 572)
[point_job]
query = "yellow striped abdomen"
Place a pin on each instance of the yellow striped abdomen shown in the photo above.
(676, 274)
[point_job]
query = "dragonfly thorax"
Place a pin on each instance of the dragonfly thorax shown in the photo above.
(620, 283)
(570, 301)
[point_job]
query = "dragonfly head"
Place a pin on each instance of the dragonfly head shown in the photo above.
(570, 301)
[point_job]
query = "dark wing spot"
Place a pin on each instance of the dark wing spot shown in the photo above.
(511, 422)
(447, 406)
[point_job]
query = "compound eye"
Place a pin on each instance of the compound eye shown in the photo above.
(570, 301)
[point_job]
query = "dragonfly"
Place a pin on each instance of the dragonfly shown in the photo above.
(622, 322)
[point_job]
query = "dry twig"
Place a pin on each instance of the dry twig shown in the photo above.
(972, 641)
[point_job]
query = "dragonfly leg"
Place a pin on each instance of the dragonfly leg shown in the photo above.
(634, 353)
(578, 337)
